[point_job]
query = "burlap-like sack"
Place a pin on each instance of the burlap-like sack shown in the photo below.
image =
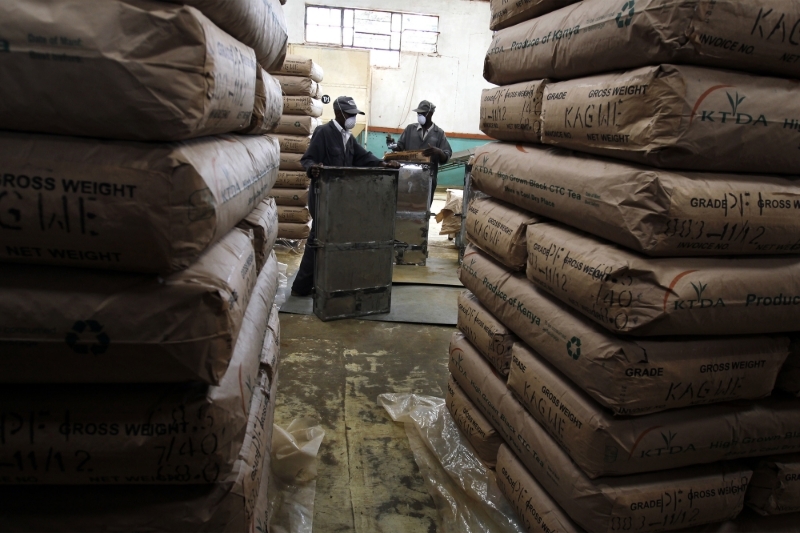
(487, 334)
(295, 144)
(119, 69)
(592, 37)
(302, 105)
(292, 214)
(268, 106)
(629, 293)
(291, 197)
(297, 125)
(299, 86)
(292, 179)
(293, 231)
(602, 504)
(260, 24)
(296, 65)
(506, 13)
(775, 488)
(499, 229)
(679, 117)
(263, 222)
(130, 206)
(513, 112)
(473, 425)
(149, 434)
(291, 161)
(630, 376)
(657, 212)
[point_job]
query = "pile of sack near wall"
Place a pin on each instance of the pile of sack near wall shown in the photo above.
(140, 343)
(300, 80)
(633, 278)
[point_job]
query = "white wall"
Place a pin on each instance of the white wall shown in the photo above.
(452, 80)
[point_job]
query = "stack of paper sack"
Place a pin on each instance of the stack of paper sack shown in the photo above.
(633, 284)
(139, 339)
(300, 80)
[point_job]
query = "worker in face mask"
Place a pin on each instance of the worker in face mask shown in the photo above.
(428, 137)
(332, 145)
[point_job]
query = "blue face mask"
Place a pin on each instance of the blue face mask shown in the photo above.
(422, 120)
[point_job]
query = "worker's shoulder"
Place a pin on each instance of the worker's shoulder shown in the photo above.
(439, 130)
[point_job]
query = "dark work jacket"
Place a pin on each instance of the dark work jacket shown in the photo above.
(326, 147)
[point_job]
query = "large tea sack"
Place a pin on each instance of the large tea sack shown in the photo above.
(295, 65)
(297, 125)
(653, 501)
(775, 488)
(268, 106)
(292, 179)
(302, 105)
(260, 24)
(506, 13)
(513, 112)
(130, 69)
(656, 212)
(295, 144)
(146, 434)
(679, 117)
(473, 425)
(290, 197)
(487, 334)
(789, 377)
(293, 214)
(630, 376)
(141, 207)
(629, 293)
(87, 326)
(592, 37)
(263, 222)
(299, 86)
(289, 161)
(499, 229)
(294, 231)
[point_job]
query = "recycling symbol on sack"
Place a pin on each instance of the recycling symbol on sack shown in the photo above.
(623, 20)
(99, 340)
(574, 348)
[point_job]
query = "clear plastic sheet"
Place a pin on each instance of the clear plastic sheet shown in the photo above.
(293, 484)
(463, 488)
(283, 286)
(290, 246)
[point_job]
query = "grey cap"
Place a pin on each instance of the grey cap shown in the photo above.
(425, 107)
(347, 105)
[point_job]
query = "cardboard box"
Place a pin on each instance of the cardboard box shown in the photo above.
(657, 212)
(178, 79)
(628, 293)
(679, 117)
(296, 65)
(775, 488)
(263, 222)
(293, 215)
(143, 434)
(498, 229)
(481, 435)
(87, 326)
(592, 37)
(292, 179)
(297, 125)
(487, 334)
(294, 231)
(655, 501)
(630, 376)
(513, 112)
(128, 206)
(302, 105)
(603, 445)
(291, 161)
(268, 106)
(299, 86)
(789, 377)
(506, 13)
(291, 197)
(295, 144)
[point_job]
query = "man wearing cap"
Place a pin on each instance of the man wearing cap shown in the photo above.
(332, 145)
(426, 136)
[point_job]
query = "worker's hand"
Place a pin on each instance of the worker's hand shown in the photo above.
(434, 151)
(315, 170)
(390, 164)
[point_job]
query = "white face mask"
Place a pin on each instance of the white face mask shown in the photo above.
(350, 123)
(421, 119)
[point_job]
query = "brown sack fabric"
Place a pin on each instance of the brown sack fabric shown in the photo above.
(126, 437)
(87, 326)
(180, 77)
(630, 376)
(291, 161)
(292, 179)
(507, 13)
(651, 501)
(293, 231)
(473, 425)
(299, 86)
(268, 106)
(293, 215)
(126, 205)
(775, 488)
(302, 105)
(656, 212)
(628, 293)
(291, 197)
(263, 222)
(295, 144)
(295, 65)
(487, 334)
(603, 445)
(679, 117)
(498, 229)
(592, 37)
(789, 376)
(513, 112)
(297, 125)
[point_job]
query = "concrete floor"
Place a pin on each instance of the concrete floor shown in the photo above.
(368, 481)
